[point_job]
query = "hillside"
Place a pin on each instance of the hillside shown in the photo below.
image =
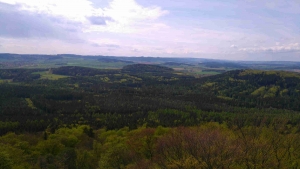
(143, 68)
(147, 116)
(255, 88)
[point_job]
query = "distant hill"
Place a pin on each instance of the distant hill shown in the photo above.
(146, 68)
(80, 71)
(176, 64)
(222, 65)
(6, 56)
(112, 60)
(55, 58)
(196, 65)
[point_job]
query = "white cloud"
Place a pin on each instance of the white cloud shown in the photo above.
(293, 47)
(195, 28)
(126, 11)
(127, 17)
(119, 16)
(75, 10)
(233, 46)
(23, 24)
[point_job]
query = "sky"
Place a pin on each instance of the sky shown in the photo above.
(262, 30)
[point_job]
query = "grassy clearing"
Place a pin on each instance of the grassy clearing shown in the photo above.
(225, 98)
(178, 68)
(200, 71)
(50, 76)
(5, 81)
(208, 73)
(207, 84)
(30, 103)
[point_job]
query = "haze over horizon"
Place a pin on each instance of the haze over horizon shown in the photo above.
(233, 30)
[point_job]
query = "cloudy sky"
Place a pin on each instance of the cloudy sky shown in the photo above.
(219, 29)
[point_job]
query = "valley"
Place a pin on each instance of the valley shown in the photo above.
(128, 114)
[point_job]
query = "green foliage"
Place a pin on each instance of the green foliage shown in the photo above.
(208, 73)
(209, 145)
(146, 68)
(148, 116)
(49, 75)
(81, 71)
(259, 92)
(5, 162)
(155, 96)
(30, 103)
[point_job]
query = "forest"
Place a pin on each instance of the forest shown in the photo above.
(148, 116)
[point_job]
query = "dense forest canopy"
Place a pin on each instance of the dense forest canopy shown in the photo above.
(142, 94)
(141, 115)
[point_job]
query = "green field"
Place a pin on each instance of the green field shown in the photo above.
(50, 76)
(97, 65)
(208, 73)
(5, 80)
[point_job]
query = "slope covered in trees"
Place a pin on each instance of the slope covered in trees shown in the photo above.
(209, 146)
(254, 88)
(142, 68)
(129, 97)
(148, 116)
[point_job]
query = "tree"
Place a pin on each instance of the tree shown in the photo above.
(5, 162)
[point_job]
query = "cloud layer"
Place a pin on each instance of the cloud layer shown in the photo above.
(243, 30)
